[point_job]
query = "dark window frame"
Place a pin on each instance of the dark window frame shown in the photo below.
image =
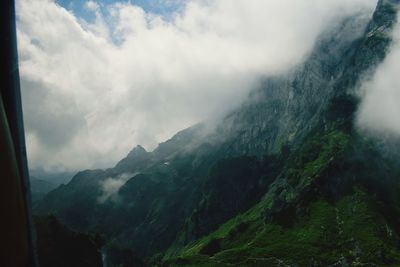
(16, 221)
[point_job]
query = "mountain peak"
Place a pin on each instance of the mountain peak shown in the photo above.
(136, 159)
(137, 151)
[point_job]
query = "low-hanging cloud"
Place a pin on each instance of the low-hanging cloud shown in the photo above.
(379, 112)
(110, 187)
(93, 90)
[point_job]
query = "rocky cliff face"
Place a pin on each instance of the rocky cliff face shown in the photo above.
(287, 107)
(284, 179)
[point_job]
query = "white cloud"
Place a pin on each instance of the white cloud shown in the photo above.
(110, 186)
(133, 77)
(92, 5)
(379, 112)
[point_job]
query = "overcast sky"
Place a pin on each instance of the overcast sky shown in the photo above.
(98, 79)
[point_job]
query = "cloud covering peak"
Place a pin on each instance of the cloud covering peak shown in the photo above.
(93, 90)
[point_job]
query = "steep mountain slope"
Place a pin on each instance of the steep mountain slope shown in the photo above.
(284, 179)
(40, 187)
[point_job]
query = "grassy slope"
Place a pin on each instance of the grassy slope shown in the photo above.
(349, 228)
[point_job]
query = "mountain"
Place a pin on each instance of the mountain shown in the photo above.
(284, 180)
(40, 187)
(60, 177)
(42, 182)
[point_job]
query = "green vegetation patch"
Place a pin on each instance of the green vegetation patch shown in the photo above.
(316, 156)
(350, 228)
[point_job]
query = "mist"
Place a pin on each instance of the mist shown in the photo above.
(379, 111)
(111, 185)
(92, 90)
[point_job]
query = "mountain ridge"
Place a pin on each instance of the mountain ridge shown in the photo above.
(277, 168)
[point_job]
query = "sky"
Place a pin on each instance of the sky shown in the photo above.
(100, 77)
(161, 7)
